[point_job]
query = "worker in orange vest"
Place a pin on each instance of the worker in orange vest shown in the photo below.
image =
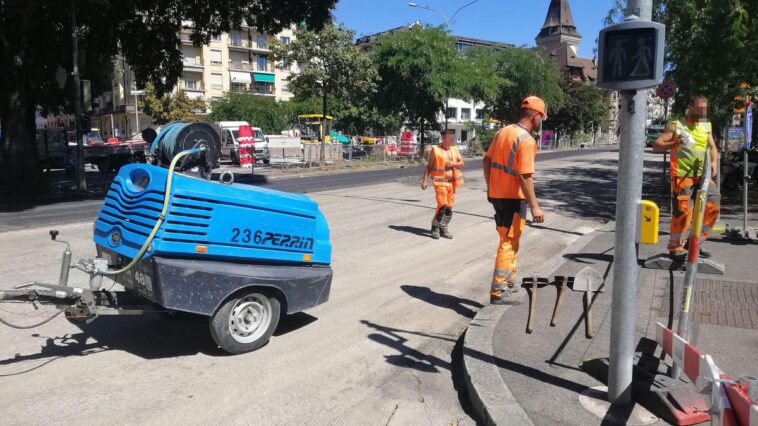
(688, 141)
(508, 170)
(444, 166)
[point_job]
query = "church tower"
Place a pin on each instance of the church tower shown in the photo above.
(559, 29)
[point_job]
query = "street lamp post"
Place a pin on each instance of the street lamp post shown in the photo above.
(447, 21)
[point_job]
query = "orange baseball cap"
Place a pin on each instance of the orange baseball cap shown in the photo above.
(536, 104)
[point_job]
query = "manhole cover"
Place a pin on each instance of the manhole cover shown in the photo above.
(718, 302)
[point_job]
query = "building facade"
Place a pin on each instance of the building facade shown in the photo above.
(238, 61)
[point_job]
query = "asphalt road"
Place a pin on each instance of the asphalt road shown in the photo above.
(379, 352)
(60, 213)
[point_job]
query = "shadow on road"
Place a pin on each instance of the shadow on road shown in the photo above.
(411, 230)
(151, 336)
(442, 300)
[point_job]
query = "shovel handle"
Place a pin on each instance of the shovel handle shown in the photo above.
(588, 314)
(532, 307)
(558, 303)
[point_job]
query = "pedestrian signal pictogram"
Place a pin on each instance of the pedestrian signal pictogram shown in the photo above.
(631, 55)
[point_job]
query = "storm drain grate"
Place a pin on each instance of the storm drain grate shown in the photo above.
(718, 302)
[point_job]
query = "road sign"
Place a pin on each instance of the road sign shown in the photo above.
(666, 90)
(749, 127)
(631, 55)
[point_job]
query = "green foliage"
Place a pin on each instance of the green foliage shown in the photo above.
(259, 111)
(36, 53)
(169, 107)
(332, 67)
(518, 73)
(710, 49)
(418, 69)
(584, 109)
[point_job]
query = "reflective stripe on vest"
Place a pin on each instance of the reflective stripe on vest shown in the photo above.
(688, 162)
(511, 157)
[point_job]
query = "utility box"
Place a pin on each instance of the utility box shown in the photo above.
(630, 55)
(649, 222)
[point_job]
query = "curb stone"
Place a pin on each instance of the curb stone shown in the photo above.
(492, 400)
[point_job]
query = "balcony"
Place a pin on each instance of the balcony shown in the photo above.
(195, 94)
(243, 44)
(241, 66)
(267, 90)
(192, 64)
(184, 35)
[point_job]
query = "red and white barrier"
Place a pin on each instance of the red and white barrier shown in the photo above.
(246, 146)
(731, 405)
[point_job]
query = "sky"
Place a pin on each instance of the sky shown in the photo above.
(509, 21)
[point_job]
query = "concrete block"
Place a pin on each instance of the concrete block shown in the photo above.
(704, 266)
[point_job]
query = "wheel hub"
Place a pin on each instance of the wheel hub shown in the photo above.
(249, 318)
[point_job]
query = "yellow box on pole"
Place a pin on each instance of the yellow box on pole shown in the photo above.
(649, 220)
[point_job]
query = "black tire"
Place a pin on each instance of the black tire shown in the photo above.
(245, 322)
(234, 159)
(266, 161)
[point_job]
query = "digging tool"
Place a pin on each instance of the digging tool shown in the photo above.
(588, 280)
(560, 282)
(534, 283)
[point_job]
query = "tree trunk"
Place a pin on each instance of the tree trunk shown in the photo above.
(421, 139)
(20, 174)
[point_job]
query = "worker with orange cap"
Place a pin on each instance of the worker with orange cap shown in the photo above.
(444, 166)
(508, 170)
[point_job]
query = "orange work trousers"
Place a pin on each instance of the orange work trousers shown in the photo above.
(444, 193)
(683, 191)
(510, 219)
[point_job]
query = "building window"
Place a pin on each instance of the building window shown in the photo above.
(451, 113)
(217, 81)
(284, 40)
(285, 86)
(216, 57)
(239, 87)
(480, 114)
(216, 38)
(260, 40)
(263, 88)
(262, 62)
(235, 40)
(462, 47)
(466, 114)
(190, 85)
(464, 135)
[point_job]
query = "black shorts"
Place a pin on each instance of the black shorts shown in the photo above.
(506, 208)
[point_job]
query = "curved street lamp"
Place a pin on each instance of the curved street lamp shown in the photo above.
(448, 22)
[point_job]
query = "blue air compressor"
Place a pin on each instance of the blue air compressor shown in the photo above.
(178, 241)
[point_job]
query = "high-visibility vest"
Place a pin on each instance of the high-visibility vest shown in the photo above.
(440, 174)
(688, 161)
(505, 180)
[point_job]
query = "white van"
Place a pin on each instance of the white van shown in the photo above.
(229, 132)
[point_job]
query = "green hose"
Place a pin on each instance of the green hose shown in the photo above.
(161, 217)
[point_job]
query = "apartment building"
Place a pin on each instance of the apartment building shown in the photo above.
(238, 61)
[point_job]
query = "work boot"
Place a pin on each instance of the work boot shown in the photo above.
(435, 232)
(678, 255)
(445, 232)
(511, 295)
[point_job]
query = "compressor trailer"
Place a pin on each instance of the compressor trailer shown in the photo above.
(177, 241)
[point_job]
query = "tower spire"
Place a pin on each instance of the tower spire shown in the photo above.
(559, 28)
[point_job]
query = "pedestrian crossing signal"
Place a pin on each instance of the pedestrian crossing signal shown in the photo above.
(631, 55)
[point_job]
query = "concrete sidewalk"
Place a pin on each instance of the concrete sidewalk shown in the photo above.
(519, 378)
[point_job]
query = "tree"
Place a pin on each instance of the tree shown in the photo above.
(710, 49)
(259, 111)
(36, 52)
(583, 110)
(169, 107)
(331, 67)
(419, 69)
(519, 73)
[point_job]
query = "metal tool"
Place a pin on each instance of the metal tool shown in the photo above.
(588, 280)
(560, 282)
(534, 283)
